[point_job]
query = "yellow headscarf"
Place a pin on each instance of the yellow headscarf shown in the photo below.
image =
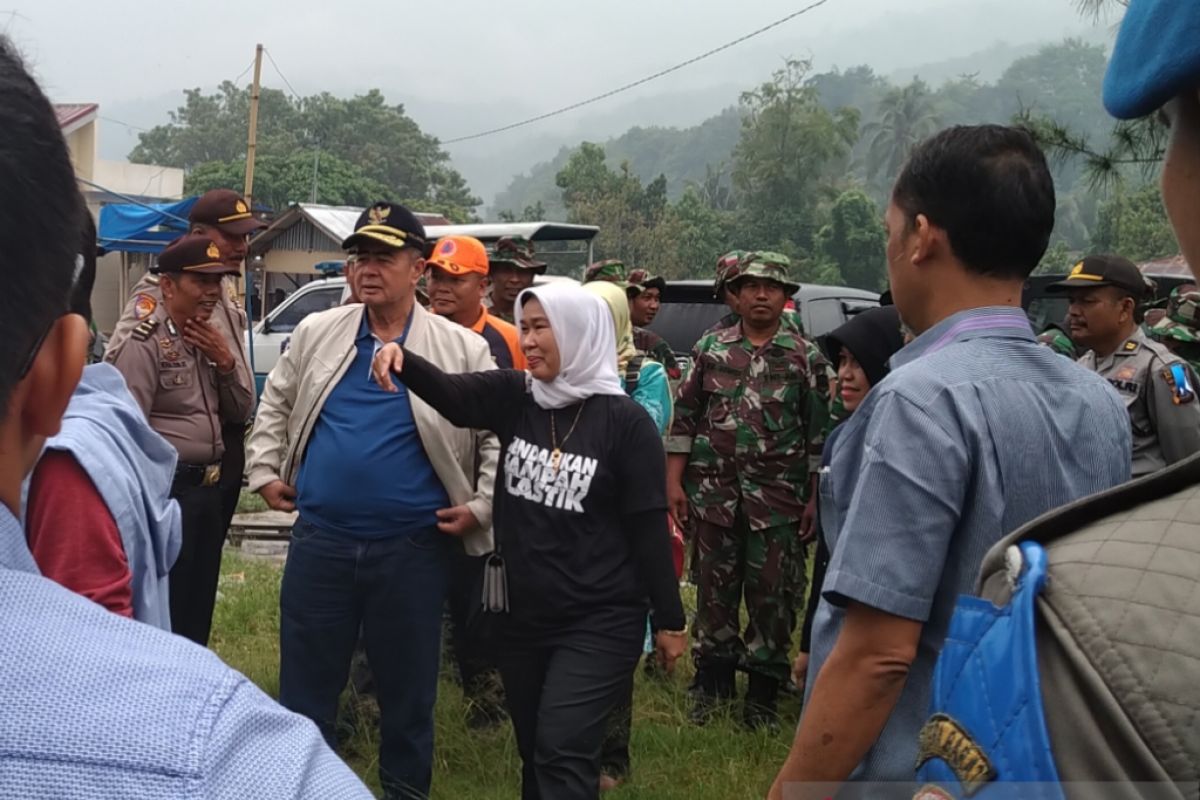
(614, 297)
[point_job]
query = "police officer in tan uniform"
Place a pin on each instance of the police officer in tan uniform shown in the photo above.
(1158, 387)
(182, 372)
(223, 216)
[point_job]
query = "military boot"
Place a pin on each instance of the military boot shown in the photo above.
(713, 688)
(760, 710)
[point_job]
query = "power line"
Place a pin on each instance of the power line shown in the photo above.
(242, 74)
(279, 72)
(123, 124)
(636, 83)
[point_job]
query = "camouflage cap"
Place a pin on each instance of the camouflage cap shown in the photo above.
(1183, 306)
(727, 269)
(640, 280)
(611, 270)
(770, 266)
(516, 251)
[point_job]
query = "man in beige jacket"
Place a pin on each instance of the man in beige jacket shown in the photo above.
(385, 487)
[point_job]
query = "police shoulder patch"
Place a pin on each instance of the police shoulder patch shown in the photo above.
(1179, 381)
(945, 739)
(142, 331)
(143, 306)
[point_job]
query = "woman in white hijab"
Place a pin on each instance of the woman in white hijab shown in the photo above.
(580, 517)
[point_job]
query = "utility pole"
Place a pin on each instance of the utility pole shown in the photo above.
(248, 191)
(252, 144)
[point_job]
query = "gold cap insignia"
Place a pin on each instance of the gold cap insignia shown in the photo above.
(1078, 268)
(213, 251)
(379, 214)
(241, 208)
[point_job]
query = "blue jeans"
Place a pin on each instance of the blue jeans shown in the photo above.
(394, 590)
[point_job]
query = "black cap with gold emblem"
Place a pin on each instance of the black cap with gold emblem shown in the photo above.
(196, 254)
(389, 223)
(225, 209)
(1104, 270)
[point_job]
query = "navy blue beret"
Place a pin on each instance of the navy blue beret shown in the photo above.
(1156, 57)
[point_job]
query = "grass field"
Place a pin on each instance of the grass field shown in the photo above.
(672, 760)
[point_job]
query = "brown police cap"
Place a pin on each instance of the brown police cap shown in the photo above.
(196, 254)
(227, 210)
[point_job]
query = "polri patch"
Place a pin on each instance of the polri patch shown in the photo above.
(943, 738)
(143, 306)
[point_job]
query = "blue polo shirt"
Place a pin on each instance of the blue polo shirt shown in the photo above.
(975, 431)
(365, 473)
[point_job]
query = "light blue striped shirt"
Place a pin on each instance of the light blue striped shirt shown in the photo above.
(99, 706)
(975, 431)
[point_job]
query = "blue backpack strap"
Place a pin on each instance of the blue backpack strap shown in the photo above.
(987, 728)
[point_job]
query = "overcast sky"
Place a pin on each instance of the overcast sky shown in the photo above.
(465, 65)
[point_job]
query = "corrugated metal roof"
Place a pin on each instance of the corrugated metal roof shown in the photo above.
(72, 115)
(1175, 265)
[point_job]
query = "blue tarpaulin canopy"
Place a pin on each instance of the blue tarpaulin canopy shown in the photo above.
(136, 228)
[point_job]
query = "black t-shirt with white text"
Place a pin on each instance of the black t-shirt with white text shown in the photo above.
(560, 529)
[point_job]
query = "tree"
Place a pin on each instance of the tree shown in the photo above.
(363, 132)
(790, 150)
(855, 241)
(635, 221)
(533, 213)
(906, 117)
(704, 234)
(282, 180)
(1135, 225)
(1058, 260)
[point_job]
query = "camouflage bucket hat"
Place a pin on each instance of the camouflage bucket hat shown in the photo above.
(769, 266)
(611, 270)
(516, 251)
(727, 269)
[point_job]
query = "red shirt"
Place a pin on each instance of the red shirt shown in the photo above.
(73, 537)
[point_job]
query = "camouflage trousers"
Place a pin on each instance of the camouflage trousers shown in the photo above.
(766, 569)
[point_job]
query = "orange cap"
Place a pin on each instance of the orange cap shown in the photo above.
(459, 255)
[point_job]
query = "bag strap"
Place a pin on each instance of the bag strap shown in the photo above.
(633, 371)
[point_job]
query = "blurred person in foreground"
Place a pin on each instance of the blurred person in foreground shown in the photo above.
(95, 705)
(934, 467)
(99, 516)
(1082, 618)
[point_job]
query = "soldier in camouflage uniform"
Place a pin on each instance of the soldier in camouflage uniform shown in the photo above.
(1056, 338)
(645, 296)
(513, 266)
(741, 452)
(1179, 329)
